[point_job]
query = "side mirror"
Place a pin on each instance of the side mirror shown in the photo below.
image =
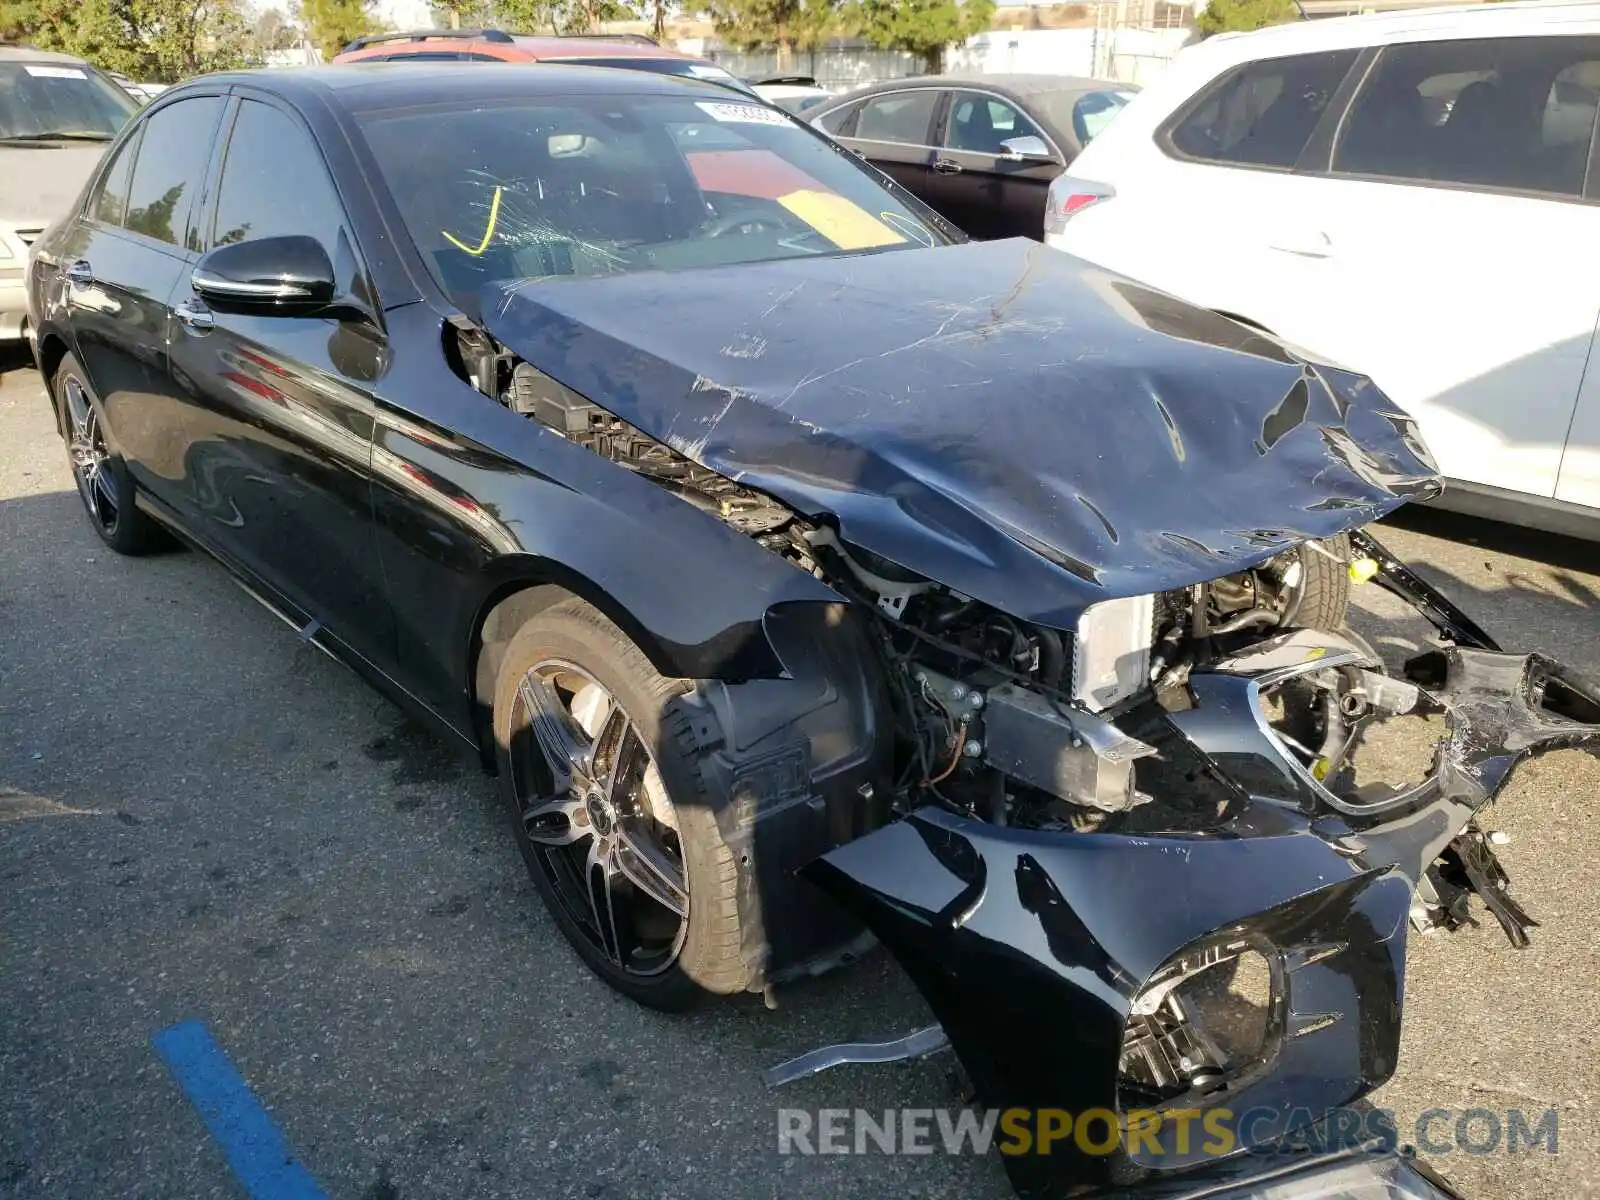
(283, 275)
(1027, 148)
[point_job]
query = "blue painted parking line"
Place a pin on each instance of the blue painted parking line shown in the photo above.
(255, 1147)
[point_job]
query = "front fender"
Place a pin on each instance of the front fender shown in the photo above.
(474, 501)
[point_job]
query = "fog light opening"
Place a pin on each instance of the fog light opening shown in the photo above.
(1199, 1025)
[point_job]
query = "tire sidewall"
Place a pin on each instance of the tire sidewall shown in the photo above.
(126, 537)
(1325, 599)
(575, 633)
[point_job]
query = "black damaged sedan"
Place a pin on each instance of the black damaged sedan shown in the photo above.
(809, 575)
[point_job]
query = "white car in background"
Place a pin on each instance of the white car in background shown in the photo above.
(57, 113)
(1413, 194)
(792, 93)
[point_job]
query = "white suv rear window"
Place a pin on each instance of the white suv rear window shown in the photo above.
(1261, 114)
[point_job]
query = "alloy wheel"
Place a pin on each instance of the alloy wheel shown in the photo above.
(595, 811)
(91, 461)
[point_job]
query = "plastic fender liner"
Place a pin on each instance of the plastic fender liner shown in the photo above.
(1030, 946)
(795, 766)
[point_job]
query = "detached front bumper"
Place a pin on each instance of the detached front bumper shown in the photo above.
(1346, 1176)
(1041, 951)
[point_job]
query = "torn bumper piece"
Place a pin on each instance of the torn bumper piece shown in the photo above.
(1051, 958)
(1344, 1176)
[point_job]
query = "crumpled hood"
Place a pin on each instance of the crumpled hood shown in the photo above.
(1024, 427)
(39, 183)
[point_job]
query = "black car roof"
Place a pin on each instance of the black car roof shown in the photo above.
(359, 85)
(1017, 86)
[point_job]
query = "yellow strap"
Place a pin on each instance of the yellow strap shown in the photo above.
(488, 234)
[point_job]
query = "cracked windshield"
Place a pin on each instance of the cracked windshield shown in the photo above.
(580, 187)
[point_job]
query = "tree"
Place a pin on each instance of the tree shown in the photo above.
(333, 24)
(786, 24)
(548, 16)
(273, 31)
(19, 20)
(528, 16)
(160, 41)
(462, 14)
(1227, 16)
(924, 27)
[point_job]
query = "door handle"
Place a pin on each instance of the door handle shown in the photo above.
(84, 293)
(947, 166)
(195, 317)
(1307, 244)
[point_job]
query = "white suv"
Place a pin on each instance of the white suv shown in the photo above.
(1415, 195)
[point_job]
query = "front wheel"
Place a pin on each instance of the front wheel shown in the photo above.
(609, 814)
(101, 476)
(1320, 598)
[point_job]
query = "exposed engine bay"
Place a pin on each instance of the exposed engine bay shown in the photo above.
(1020, 724)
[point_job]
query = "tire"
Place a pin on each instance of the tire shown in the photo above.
(1324, 599)
(586, 649)
(102, 478)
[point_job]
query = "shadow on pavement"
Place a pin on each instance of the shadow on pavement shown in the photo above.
(14, 356)
(1553, 549)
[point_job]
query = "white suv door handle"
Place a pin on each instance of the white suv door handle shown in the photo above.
(1310, 243)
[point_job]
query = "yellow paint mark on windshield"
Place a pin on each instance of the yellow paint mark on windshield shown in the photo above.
(847, 225)
(488, 234)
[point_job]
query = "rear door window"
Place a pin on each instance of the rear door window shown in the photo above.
(1261, 114)
(904, 117)
(1511, 113)
(110, 200)
(841, 122)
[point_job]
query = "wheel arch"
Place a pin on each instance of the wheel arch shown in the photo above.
(517, 588)
(53, 348)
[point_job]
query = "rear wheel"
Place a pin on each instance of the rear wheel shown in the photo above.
(608, 812)
(102, 478)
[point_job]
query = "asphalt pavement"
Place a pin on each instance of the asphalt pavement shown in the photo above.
(202, 818)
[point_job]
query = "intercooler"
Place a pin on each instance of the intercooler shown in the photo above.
(1111, 651)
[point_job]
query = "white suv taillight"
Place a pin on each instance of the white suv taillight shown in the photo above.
(1069, 196)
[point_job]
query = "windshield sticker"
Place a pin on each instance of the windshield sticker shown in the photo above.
(844, 223)
(53, 72)
(741, 114)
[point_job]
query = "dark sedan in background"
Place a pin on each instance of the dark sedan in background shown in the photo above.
(980, 150)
